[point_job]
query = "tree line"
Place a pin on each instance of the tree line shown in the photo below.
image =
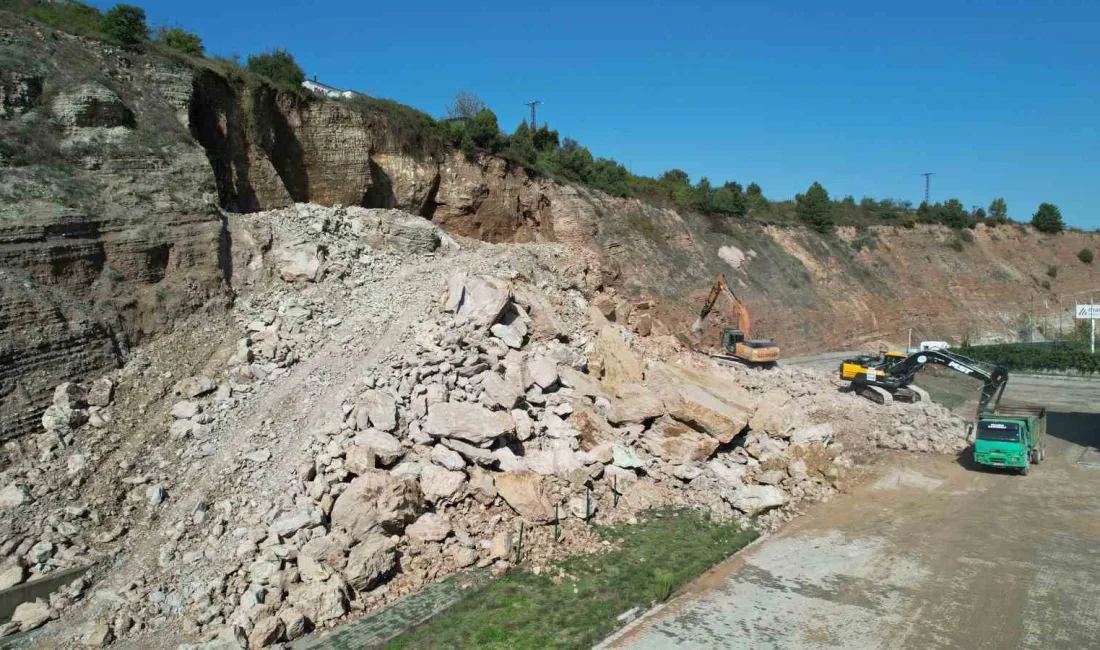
(472, 127)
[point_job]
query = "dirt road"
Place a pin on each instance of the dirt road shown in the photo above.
(932, 554)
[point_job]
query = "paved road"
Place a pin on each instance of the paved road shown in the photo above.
(931, 555)
(1054, 392)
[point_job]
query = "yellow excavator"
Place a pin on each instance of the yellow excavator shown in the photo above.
(735, 343)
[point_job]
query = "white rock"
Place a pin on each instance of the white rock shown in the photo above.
(369, 562)
(440, 484)
(447, 458)
(381, 408)
(525, 427)
(470, 422)
(625, 458)
(14, 496)
(195, 386)
(543, 371)
(387, 449)
(30, 616)
(754, 499)
(508, 335)
(155, 494)
(430, 527)
(817, 433)
(11, 575)
(319, 601)
(292, 522)
(186, 409)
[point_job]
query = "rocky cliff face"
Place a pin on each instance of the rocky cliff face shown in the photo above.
(108, 224)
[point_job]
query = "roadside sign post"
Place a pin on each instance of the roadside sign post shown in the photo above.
(1090, 312)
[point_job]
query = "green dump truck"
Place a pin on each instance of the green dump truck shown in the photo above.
(1011, 436)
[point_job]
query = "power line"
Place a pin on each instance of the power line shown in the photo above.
(927, 184)
(533, 103)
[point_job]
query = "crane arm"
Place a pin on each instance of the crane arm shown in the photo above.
(739, 310)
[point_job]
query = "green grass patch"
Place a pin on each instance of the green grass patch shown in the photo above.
(522, 610)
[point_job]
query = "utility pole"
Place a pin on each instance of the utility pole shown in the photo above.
(533, 104)
(927, 184)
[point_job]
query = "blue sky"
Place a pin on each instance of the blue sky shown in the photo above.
(998, 99)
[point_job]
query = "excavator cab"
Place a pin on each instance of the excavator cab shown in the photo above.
(762, 351)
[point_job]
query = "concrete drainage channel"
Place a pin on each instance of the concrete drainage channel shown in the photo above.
(28, 592)
(415, 609)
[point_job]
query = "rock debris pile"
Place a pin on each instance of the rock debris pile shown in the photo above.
(393, 408)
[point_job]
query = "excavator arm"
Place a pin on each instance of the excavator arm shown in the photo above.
(740, 312)
(994, 379)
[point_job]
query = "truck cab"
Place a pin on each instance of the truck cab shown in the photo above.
(1011, 437)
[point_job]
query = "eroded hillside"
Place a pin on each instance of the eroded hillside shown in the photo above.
(117, 168)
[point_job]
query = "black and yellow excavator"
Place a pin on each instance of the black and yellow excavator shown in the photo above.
(888, 376)
(735, 343)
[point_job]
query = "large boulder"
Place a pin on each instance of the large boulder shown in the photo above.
(500, 392)
(30, 616)
(439, 484)
(300, 262)
(527, 494)
(479, 299)
(320, 602)
(755, 499)
(777, 414)
(379, 407)
(430, 527)
(377, 501)
(387, 449)
(676, 442)
(613, 362)
(635, 404)
(370, 562)
(470, 422)
(703, 400)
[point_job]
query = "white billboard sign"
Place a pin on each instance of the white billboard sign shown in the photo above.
(1087, 311)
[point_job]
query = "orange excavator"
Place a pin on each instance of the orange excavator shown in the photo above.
(735, 343)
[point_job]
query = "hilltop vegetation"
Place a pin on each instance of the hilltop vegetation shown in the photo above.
(471, 127)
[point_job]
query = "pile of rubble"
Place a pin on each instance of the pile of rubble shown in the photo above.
(507, 403)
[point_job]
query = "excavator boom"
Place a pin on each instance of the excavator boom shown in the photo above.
(738, 307)
(880, 380)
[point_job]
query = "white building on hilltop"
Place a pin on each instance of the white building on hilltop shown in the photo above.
(314, 86)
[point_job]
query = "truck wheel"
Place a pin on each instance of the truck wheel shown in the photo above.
(1025, 470)
(1042, 453)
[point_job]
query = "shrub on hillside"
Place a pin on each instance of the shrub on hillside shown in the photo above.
(998, 212)
(126, 25)
(814, 208)
(1052, 270)
(482, 134)
(279, 66)
(1048, 219)
(1085, 255)
(180, 40)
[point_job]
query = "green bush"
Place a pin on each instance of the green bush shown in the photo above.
(1048, 219)
(1044, 357)
(1085, 255)
(126, 25)
(998, 212)
(279, 66)
(180, 40)
(814, 209)
(1052, 270)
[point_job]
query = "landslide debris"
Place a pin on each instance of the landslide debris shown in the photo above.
(383, 407)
